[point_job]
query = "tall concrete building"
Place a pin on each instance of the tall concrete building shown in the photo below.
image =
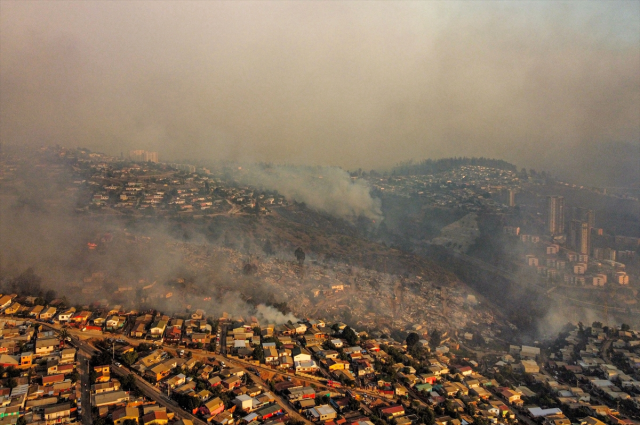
(580, 236)
(555, 215)
(512, 197)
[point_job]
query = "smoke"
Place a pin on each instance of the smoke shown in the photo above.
(326, 189)
(267, 314)
(541, 84)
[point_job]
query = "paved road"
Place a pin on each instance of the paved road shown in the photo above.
(154, 393)
(85, 389)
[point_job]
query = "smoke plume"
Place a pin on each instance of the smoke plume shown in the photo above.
(325, 189)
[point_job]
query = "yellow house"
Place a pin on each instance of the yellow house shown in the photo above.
(26, 359)
(336, 364)
(103, 373)
(121, 415)
(12, 309)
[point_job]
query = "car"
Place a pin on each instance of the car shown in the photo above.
(118, 364)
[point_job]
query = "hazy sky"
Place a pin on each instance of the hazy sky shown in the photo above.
(355, 84)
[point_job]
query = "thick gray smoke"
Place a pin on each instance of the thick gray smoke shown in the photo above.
(358, 85)
(326, 189)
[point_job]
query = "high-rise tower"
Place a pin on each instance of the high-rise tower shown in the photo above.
(555, 215)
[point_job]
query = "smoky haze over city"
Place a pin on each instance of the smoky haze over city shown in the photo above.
(547, 85)
(320, 212)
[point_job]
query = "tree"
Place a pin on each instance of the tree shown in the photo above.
(258, 353)
(625, 327)
(268, 248)
(21, 421)
(129, 358)
(74, 376)
(101, 359)
(130, 422)
(143, 347)
(300, 255)
(350, 335)
(435, 338)
(12, 383)
(412, 339)
(64, 334)
(129, 382)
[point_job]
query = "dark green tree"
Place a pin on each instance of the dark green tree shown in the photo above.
(300, 255)
(268, 248)
(412, 339)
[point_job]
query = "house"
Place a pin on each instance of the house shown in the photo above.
(67, 355)
(103, 373)
(115, 322)
(244, 402)
(223, 418)
(300, 354)
(306, 366)
(529, 366)
(158, 328)
(12, 309)
(322, 413)
(156, 417)
(590, 420)
(510, 396)
(8, 361)
(391, 412)
(173, 334)
(157, 372)
(212, 407)
(81, 318)
(66, 315)
(270, 355)
(46, 346)
(121, 415)
(57, 413)
(52, 379)
(48, 313)
(269, 411)
(5, 301)
(215, 381)
(35, 311)
(176, 381)
(231, 382)
(109, 399)
(105, 387)
(26, 359)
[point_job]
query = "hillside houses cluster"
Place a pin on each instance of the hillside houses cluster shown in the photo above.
(168, 188)
(466, 187)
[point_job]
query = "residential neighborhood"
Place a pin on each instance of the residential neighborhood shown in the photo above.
(162, 369)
